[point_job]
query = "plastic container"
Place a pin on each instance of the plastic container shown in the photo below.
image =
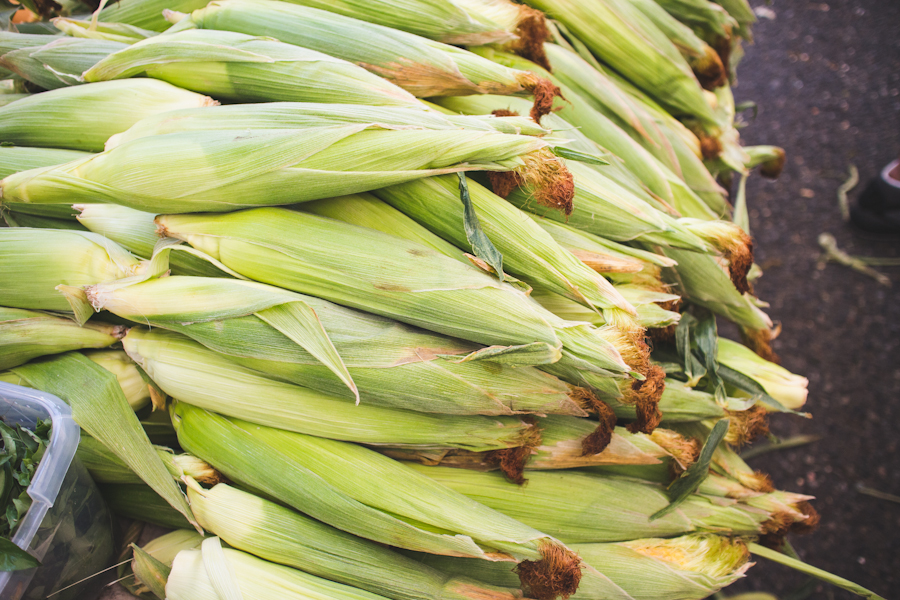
(68, 526)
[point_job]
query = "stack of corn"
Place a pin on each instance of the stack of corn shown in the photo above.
(402, 299)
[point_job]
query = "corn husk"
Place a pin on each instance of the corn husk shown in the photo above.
(27, 334)
(527, 250)
(59, 63)
(67, 117)
(702, 280)
(702, 58)
(202, 575)
(189, 372)
(34, 261)
(565, 443)
(243, 68)
(409, 282)
(421, 66)
(690, 567)
(21, 158)
(40, 222)
(769, 159)
(136, 390)
(330, 480)
(778, 382)
(289, 166)
(665, 138)
(135, 231)
(105, 467)
(647, 302)
(10, 40)
(141, 503)
(598, 508)
(394, 365)
(300, 115)
(283, 536)
(113, 32)
(630, 43)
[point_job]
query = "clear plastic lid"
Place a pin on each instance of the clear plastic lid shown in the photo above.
(25, 406)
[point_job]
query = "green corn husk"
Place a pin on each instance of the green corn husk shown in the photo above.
(59, 63)
(650, 315)
(189, 372)
(679, 403)
(34, 261)
(67, 117)
(666, 139)
(15, 219)
(300, 115)
(701, 279)
(22, 158)
(393, 365)
(528, 251)
(605, 209)
(708, 20)
(703, 59)
(106, 467)
(634, 45)
(137, 392)
(141, 503)
(113, 32)
(690, 567)
(600, 508)
(397, 279)
(202, 575)
(669, 190)
(568, 443)
(10, 98)
(243, 68)
(26, 334)
(421, 66)
(616, 170)
(742, 13)
(329, 481)
(280, 535)
(289, 166)
(601, 254)
(10, 41)
(167, 546)
(778, 382)
(769, 159)
(135, 231)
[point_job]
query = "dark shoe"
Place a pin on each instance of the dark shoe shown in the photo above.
(878, 207)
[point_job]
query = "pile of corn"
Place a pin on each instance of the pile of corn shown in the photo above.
(406, 299)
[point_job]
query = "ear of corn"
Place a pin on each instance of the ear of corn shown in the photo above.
(300, 115)
(410, 279)
(527, 250)
(602, 509)
(422, 67)
(249, 69)
(634, 45)
(690, 567)
(10, 41)
(665, 138)
(136, 390)
(197, 576)
(329, 481)
(113, 32)
(562, 445)
(135, 231)
(393, 365)
(778, 382)
(288, 166)
(59, 63)
(28, 334)
(66, 117)
(34, 261)
(650, 314)
(280, 535)
(189, 372)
